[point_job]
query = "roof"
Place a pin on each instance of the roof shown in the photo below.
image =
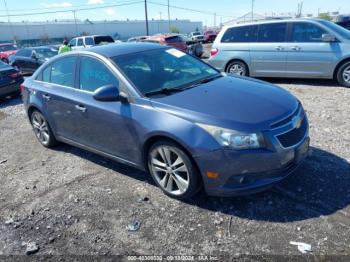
(2, 44)
(275, 21)
(112, 50)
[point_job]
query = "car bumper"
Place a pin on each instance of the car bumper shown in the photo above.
(9, 89)
(242, 173)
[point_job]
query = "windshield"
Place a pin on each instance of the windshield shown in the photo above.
(337, 28)
(158, 69)
(46, 52)
(196, 33)
(103, 40)
(7, 48)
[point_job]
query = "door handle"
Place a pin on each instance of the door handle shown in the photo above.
(81, 108)
(296, 48)
(279, 48)
(47, 97)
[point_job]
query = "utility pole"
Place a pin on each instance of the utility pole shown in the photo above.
(214, 20)
(253, 10)
(146, 15)
(9, 21)
(75, 22)
(169, 16)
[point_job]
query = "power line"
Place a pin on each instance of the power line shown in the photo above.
(71, 10)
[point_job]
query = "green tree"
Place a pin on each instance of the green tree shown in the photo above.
(174, 30)
(325, 16)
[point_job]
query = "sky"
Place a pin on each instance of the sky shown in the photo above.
(225, 9)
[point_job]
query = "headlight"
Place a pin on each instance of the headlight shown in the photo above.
(234, 139)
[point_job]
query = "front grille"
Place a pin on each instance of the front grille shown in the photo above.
(286, 120)
(293, 136)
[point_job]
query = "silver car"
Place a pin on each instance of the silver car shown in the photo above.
(298, 48)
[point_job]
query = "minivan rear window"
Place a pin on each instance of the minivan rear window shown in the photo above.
(274, 32)
(242, 34)
(103, 39)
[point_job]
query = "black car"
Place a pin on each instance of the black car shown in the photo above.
(27, 60)
(10, 80)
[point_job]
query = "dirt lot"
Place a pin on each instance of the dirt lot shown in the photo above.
(69, 201)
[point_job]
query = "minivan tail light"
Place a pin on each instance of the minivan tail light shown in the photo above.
(214, 52)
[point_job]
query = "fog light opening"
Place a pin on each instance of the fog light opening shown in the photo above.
(212, 175)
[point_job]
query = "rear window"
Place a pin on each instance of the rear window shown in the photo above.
(241, 34)
(103, 39)
(174, 39)
(270, 33)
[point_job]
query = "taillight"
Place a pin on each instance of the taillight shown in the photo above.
(214, 52)
(22, 88)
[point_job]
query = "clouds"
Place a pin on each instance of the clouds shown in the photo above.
(95, 2)
(110, 11)
(57, 5)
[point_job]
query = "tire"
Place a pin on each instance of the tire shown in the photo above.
(172, 170)
(42, 129)
(343, 75)
(237, 68)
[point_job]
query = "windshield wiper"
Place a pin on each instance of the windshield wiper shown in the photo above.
(164, 90)
(202, 81)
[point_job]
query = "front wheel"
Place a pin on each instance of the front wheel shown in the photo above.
(172, 170)
(42, 129)
(343, 75)
(237, 68)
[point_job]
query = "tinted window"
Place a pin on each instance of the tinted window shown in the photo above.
(89, 41)
(275, 32)
(94, 74)
(239, 34)
(80, 42)
(24, 52)
(62, 72)
(103, 39)
(46, 74)
(307, 32)
(174, 39)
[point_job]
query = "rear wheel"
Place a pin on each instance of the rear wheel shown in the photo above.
(343, 74)
(172, 170)
(42, 129)
(237, 68)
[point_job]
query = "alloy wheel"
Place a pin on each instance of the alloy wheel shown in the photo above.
(346, 74)
(41, 128)
(169, 170)
(237, 69)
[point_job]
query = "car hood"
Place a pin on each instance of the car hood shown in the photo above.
(231, 102)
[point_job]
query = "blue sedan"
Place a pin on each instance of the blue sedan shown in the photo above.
(170, 114)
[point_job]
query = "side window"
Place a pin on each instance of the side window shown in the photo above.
(24, 52)
(46, 74)
(94, 74)
(62, 72)
(307, 32)
(73, 42)
(242, 34)
(89, 41)
(272, 33)
(80, 42)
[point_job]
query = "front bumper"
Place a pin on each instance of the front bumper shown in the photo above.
(10, 89)
(251, 171)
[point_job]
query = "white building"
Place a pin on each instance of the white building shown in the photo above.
(119, 29)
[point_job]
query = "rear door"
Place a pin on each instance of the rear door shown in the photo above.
(308, 55)
(269, 53)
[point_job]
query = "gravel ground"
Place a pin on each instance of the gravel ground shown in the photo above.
(69, 201)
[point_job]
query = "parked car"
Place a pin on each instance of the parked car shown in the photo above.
(193, 47)
(170, 40)
(344, 21)
(210, 36)
(197, 36)
(160, 110)
(10, 80)
(7, 49)
(137, 39)
(299, 48)
(27, 60)
(89, 41)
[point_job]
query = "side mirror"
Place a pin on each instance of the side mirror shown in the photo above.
(110, 93)
(328, 38)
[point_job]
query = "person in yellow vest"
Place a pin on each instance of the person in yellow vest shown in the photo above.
(65, 47)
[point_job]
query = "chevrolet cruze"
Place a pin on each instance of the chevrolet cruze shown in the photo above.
(163, 111)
